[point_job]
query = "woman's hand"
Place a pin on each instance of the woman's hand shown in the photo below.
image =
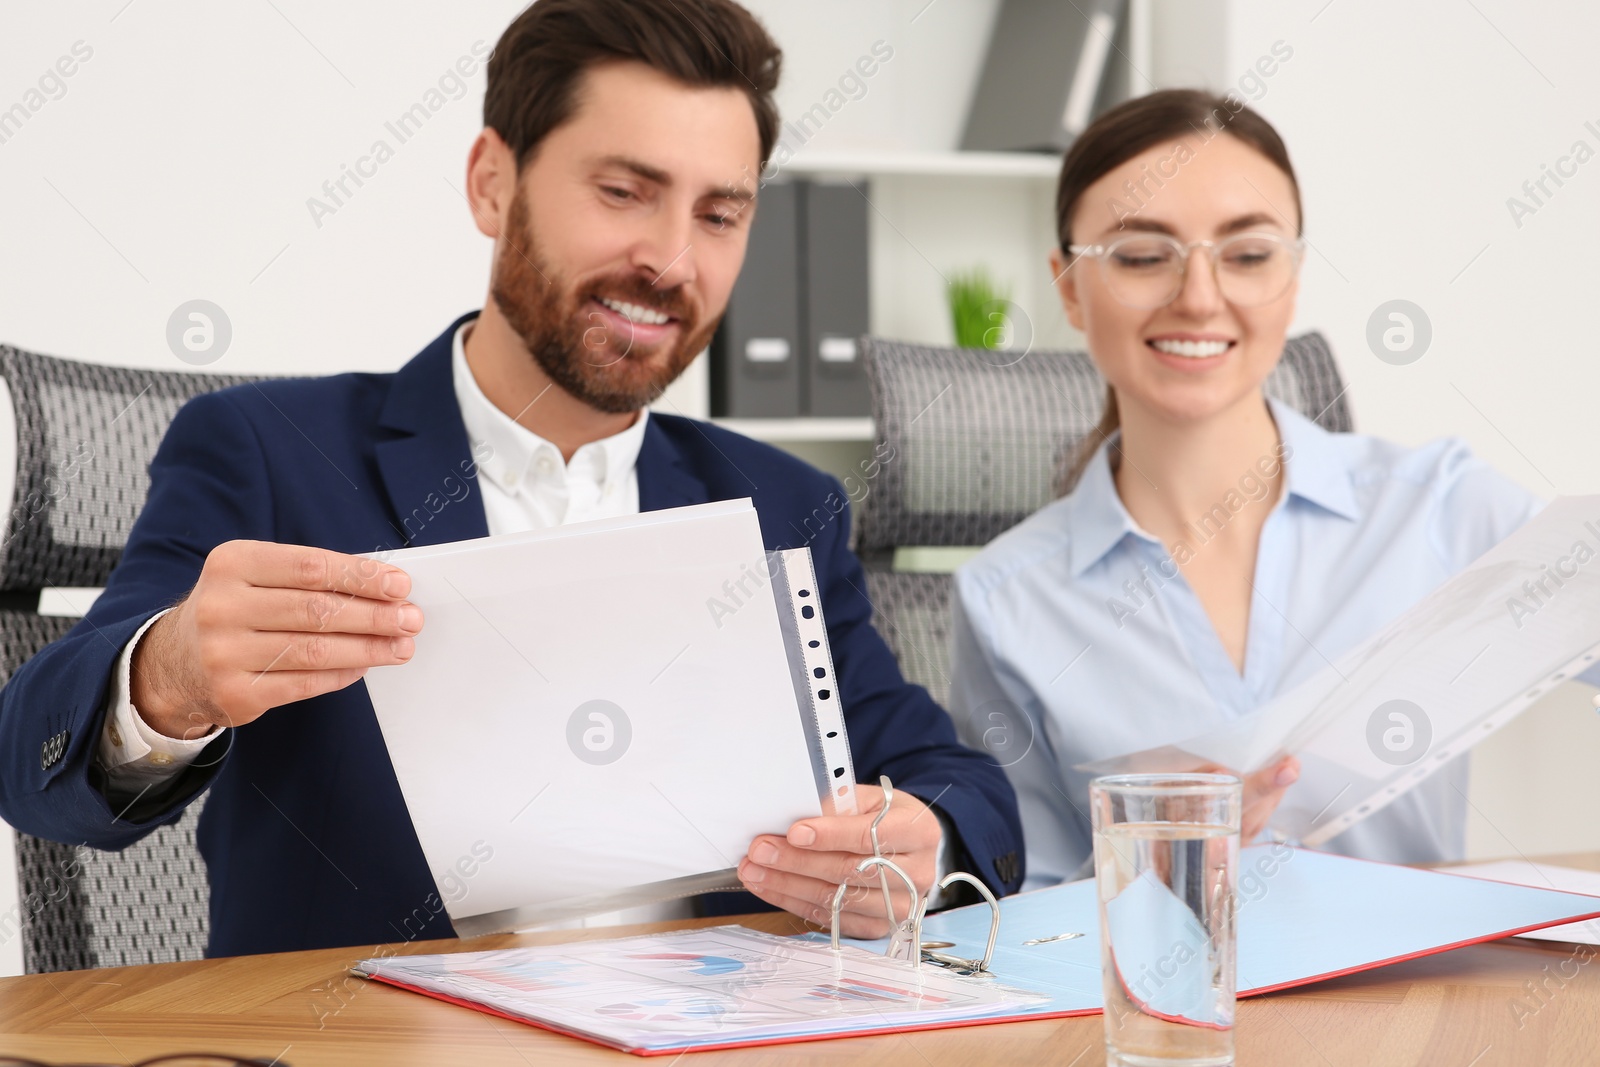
(1262, 792)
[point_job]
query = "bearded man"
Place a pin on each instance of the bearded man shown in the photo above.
(615, 176)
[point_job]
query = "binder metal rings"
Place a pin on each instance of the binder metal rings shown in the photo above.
(908, 932)
(904, 933)
(961, 965)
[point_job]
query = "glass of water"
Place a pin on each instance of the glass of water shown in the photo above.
(1166, 857)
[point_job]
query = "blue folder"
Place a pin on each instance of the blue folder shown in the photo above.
(1303, 916)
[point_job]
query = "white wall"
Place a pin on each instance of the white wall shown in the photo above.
(1410, 125)
(179, 162)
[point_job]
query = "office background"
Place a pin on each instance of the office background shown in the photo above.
(177, 161)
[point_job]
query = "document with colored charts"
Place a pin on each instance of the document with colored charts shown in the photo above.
(700, 988)
(1464, 661)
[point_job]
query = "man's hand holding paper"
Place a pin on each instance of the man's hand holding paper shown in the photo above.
(267, 625)
(801, 872)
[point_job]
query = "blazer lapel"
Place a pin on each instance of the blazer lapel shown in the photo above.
(428, 468)
(665, 479)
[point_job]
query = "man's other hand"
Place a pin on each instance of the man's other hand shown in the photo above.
(801, 871)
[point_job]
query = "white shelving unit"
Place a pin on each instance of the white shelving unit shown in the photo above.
(934, 212)
(10, 905)
(805, 429)
(931, 213)
(1025, 165)
(906, 190)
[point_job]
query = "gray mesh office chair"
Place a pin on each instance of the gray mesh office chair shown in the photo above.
(979, 441)
(85, 437)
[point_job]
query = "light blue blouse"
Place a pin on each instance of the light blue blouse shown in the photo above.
(1071, 644)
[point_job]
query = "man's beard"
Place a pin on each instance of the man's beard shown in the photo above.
(548, 313)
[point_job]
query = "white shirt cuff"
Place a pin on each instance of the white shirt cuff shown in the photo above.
(134, 755)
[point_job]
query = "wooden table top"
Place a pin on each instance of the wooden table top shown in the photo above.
(1513, 1003)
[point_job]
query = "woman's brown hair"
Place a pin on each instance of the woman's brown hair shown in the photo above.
(1125, 132)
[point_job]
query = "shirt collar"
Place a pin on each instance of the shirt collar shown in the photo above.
(513, 448)
(1316, 467)
(1315, 470)
(1096, 520)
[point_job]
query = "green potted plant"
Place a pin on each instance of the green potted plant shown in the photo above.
(978, 309)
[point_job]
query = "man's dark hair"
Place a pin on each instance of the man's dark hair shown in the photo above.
(540, 60)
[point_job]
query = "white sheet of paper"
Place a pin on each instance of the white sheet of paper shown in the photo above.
(1544, 876)
(524, 794)
(1461, 663)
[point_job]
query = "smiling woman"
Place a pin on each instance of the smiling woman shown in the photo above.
(1179, 223)
(1101, 178)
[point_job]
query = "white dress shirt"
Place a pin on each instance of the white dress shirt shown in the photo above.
(526, 484)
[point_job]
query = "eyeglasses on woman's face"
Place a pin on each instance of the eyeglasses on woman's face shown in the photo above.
(1147, 270)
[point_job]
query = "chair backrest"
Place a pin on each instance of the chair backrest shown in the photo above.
(976, 442)
(85, 437)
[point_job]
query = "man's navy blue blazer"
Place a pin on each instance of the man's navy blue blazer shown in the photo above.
(305, 835)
